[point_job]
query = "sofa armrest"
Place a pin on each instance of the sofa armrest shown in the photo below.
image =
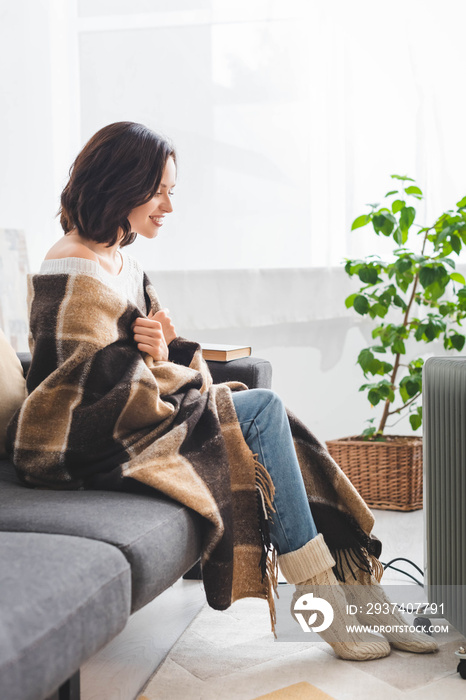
(255, 372)
(252, 371)
(25, 359)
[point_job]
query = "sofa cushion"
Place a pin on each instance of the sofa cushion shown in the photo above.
(12, 387)
(62, 598)
(160, 538)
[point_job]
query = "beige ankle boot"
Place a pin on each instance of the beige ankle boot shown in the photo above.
(310, 567)
(363, 590)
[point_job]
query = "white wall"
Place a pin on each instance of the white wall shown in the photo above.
(39, 131)
(26, 139)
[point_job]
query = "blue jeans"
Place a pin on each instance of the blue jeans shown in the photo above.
(266, 429)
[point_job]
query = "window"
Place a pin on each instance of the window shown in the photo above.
(288, 117)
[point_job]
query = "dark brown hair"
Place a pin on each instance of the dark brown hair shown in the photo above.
(118, 169)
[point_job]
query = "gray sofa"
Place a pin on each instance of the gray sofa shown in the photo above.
(74, 565)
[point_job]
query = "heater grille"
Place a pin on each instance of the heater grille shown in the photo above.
(444, 414)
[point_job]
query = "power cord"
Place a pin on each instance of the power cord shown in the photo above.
(395, 568)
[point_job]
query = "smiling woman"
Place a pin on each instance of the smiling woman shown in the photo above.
(148, 218)
(115, 396)
(120, 186)
(121, 169)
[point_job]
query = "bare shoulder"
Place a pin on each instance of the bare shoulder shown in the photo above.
(69, 248)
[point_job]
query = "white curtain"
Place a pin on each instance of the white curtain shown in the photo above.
(288, 117)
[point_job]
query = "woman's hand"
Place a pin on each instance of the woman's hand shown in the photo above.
(167, 324)
(150, 338)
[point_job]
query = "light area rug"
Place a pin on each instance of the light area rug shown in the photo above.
(232, 655)
(298, 691)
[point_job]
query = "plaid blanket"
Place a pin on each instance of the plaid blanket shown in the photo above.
(99, 412)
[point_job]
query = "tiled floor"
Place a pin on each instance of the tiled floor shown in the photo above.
(232, 655)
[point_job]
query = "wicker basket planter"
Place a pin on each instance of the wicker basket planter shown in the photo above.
(388, 475)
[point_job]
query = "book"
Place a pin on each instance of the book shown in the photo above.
(224, 353)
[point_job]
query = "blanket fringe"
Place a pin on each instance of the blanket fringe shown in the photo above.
(359, 562)
(268, 561)
(377, 568)
(272, 588)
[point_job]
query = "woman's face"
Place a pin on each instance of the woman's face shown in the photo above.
(148, 218)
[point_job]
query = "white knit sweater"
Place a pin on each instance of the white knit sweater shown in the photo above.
(129, 283)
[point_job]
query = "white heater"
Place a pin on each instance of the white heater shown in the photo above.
(444, 450)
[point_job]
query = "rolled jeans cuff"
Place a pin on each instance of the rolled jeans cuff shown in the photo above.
(310, 560)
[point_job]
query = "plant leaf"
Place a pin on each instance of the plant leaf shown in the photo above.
(398, 205)
(455, 242)
(412, 189)
(403, 264)
(457, 341)
(360, 221)
(398, 301)
(384, 222)
(426, 276)
(398, 347)
(379, 310)
(407, 217)
(368, 274)
(412, 388)
(361, 304)
(415, 420)
(365, 358)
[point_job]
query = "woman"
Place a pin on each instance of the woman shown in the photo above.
(115, 396)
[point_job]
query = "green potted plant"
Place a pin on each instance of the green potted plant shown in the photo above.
(417, 297)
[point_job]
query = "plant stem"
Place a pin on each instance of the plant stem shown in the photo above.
(405, 405)
(396, 366)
